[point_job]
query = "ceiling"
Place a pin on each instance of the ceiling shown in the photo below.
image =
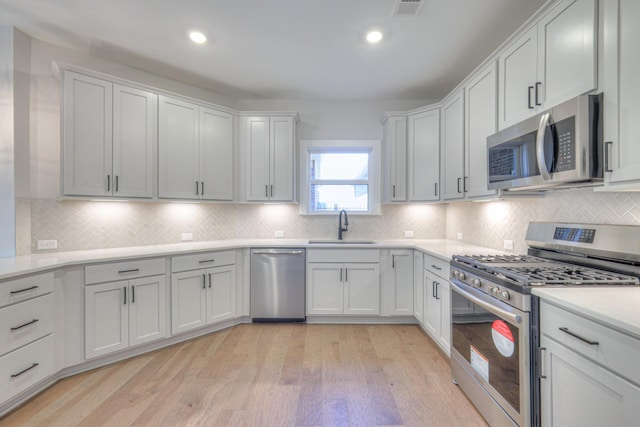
(283, 49)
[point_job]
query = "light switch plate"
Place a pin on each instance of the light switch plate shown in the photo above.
(187, 237)
(408, 234)
(47, 244)
(508, 245)
(278, 233)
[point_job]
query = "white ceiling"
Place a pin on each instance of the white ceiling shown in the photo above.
(296, 49)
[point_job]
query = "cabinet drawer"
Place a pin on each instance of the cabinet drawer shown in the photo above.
(16, 290)
(436, 266)
(343, 255)
(25, 322)
(203, 260)
(614, 350)
(125, 270)
(23, 368)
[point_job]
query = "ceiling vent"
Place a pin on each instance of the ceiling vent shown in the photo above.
(407, 7)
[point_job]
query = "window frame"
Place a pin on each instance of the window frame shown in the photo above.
(372, 146)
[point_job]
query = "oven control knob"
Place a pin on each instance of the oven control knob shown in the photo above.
(505, 296)
(461, 275)
(455, 273)
(477, 283)
(494, 292)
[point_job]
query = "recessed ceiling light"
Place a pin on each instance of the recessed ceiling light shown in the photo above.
(197, 37)
(374, 37)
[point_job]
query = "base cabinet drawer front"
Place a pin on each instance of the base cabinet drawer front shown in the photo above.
(125, 270)
(202, 260)
(614, 350)
(436, 266)
(25, 322)
(343, 255)
(578, 392)
(16, 290)
(24, 367)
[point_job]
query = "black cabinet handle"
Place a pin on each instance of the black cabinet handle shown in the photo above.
(204, 261)
(567, 331)
(393, 261)
(394, 191)
(435, 185)
(116, 183)
(197, 188)
(433, 289)
(25, 325)
(538, 84)
(266, 191)
(346, 274)
(202, 188)
(271, 190)
(607, 156)
(209, 280)
(204, 281)
(133, 270)
(24, 370)
(436, 267)
(108, 182)
(124, 289)
(133, 294)
(459, 179)
(24, 290)
(341, 274)
(465, 188)
(530, 88)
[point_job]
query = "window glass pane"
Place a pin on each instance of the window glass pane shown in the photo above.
(325, 198)
(339, 166)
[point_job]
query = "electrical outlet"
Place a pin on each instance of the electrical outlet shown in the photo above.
(508, 245)
(47, 244)
(459, 236)
(187, 237)
(278, 233)
(408, 234)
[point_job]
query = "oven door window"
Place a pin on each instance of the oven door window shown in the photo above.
(514, 159)
(490, 346)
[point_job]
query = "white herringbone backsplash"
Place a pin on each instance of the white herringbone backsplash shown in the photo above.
(489, 224)
(79, 225)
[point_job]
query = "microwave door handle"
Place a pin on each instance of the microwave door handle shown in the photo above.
(542, 162)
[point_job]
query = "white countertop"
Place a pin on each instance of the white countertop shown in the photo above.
(10, 267)
(617, 307)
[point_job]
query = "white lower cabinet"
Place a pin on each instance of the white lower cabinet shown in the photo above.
(122, 314)
(437, 305)
(418, 286)
(397, 282)
(589, 372)
(202, 297)
(335, 289)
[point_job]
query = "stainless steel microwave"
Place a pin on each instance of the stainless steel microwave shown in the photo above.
(559, 148)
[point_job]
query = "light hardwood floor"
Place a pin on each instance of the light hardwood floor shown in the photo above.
(266, 375)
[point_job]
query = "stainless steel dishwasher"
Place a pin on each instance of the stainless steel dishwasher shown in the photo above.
(278, 282)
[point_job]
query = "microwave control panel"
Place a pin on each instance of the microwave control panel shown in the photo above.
(566, 145)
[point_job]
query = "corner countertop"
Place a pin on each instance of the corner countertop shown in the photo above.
(10, 267)
(617, 307)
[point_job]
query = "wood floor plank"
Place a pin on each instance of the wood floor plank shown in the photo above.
(266, 375)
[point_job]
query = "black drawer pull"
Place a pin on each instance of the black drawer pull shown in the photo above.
(24, 290)
(206, 261)
(567, 331)
(24, 370)
(436, 267)
(25, 325)
(133, 270)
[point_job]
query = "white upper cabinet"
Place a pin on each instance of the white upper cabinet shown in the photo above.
(395, 159)
(108, 138)
(424, 156)
(480, 122)
(621, 68)
(269, 145)
(195, 153)
(552, 62)
(453, 147)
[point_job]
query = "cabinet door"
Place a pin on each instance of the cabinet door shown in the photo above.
(396, 162)
(433, 315)
(87, 135)
(424, 156)
(481, 121)
(256, 135)
(221, 293)
(578, 392)
(362, 291)
(402, 269)
(418, 287)
(567, 52)
(282, 155)
(147, 309)
(134, 136)
(444, 295)
(216, 154)
(517, 77)
(178, 152)
(325, 288)
(106, 318)
(621, 68)
(188, 300)
(453, 147)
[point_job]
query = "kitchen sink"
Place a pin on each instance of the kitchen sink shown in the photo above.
(341, 242)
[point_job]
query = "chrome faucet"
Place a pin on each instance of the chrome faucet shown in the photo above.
(341, 229)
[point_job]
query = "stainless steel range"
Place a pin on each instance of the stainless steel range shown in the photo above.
(495, 351)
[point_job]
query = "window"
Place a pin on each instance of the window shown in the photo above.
(338, 175)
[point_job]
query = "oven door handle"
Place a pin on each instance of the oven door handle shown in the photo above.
(512, 317)
(542, 162)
